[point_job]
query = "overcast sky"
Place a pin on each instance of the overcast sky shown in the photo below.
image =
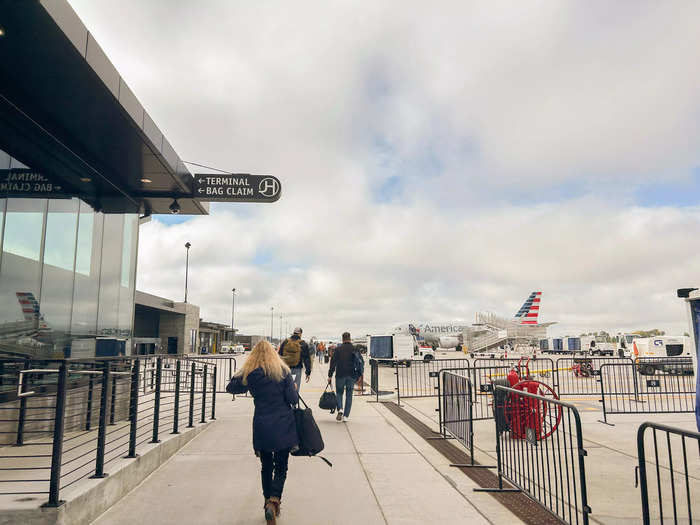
(436, 158)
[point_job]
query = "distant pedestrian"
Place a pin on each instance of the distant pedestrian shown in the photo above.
(269, 381)
(320, 351)
(295, 353)
(343, 364)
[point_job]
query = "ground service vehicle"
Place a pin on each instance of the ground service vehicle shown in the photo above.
(657, 354)
(398, 348)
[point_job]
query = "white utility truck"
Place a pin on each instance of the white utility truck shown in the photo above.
(647, 350)
(398, 347)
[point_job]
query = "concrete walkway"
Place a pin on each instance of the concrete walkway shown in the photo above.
(381, 475)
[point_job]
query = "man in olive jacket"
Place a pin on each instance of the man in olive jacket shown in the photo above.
(342, 364)
(295, 352)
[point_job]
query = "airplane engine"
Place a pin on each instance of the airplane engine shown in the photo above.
(449, 342)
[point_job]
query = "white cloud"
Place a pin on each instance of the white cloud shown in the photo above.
(478, 115)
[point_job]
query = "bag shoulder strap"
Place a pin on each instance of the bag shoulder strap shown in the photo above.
(300, 399)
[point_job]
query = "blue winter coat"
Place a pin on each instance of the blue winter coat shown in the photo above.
(273, 423)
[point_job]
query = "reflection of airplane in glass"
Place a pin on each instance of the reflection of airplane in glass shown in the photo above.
(33, 330)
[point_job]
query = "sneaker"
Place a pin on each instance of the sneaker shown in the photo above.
(345, 419)
(339, 417)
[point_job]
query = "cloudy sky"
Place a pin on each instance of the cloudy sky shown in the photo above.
(436, 159)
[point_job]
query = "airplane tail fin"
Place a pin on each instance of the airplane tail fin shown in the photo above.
(29, 305)
(530, 310)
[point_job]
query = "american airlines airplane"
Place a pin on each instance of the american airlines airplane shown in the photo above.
(451, 335)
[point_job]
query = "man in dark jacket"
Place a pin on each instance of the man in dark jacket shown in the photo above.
(342, 364)
(295, 352)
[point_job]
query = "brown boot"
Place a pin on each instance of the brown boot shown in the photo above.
(270, 511)
(277, 503)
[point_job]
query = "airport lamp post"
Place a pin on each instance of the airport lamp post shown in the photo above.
(187, 267)
(280, 327)
(233, 310)
(272, 321)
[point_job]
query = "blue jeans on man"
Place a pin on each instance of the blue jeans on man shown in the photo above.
(347, 384)
(296, 374)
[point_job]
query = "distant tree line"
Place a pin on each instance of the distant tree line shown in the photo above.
(608, 338)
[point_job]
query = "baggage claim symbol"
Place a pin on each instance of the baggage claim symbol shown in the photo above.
(269, 187)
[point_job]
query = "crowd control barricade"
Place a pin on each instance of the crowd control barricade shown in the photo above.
(489, 372)
(539, 451)
(667, 365)
(413, 378)
(628, 388)
(669, 473)
(578, 375)
(455, 415)
(72, 418)
(483, 379)
(541, 368)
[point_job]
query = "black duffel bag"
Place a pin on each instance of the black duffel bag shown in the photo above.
(310, 439)
(328, 400)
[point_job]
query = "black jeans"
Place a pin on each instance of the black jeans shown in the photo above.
(274, 472)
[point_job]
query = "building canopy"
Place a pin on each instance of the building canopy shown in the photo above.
(66, 112)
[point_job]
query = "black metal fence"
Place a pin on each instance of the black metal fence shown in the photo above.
(455, 414)
(539, 451)
(669, 473)
(630, 388)
(73, 418)
(486, 373)
(578, 376)
(226, 366)
(414, 379)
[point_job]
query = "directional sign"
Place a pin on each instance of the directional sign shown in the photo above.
(236, 187)
(25, 182)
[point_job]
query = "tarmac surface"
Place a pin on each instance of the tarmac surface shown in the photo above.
(383, 473)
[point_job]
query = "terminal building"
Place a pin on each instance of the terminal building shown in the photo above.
(82, 163)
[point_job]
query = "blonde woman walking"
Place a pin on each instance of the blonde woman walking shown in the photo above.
(268, 379)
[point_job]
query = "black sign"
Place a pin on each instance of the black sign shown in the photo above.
(25, 182)
(433, 374)
(487, 387)
(236, 187)
(653, 383)
(596, 372)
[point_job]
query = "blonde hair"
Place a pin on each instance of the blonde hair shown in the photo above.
(264, 356)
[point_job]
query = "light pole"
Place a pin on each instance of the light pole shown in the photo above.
(187, 267)
(280, 327)
(233, 310)
(272, 321)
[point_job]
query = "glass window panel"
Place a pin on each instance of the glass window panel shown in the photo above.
(57, 278)
(23, 227)
(20, 273)
(128, 274)
(110, 276)
(87, 275)
(59, 244)
(3, 204)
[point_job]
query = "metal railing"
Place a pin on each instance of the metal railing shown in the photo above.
(75, 417)
(578, 376)
(414, 378)
(486, 373)
(675, 473)
(455, 414)
(226, 366)
(539, 451)
(630, 388)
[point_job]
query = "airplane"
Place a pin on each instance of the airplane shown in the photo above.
(33, 330)
(452, 335)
